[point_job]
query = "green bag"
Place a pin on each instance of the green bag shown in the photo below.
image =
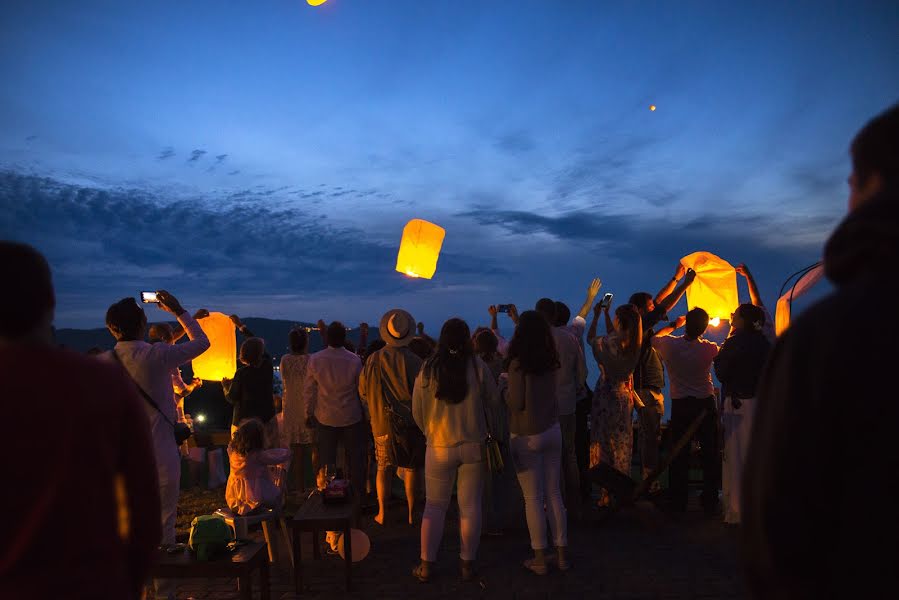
(210, 536)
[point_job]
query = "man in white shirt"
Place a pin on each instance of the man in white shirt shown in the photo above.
(331, 397)
(151, 366)
(689, 361)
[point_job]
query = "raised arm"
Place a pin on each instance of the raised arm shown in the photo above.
(610, 325)
(668, 301)
(178, 330)
(179, 354)
(754, 295)
(671, 327)
(592, 291)
(494, 325)
(243, 329)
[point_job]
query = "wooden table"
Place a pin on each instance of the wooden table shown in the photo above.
(315, 516)
(239, 564)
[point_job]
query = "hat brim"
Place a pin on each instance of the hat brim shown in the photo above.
(388, 338)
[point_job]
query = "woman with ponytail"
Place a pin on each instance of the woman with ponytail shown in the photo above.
(452, 392)
(738, 367)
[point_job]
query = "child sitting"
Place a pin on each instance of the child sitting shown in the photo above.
(251, 485)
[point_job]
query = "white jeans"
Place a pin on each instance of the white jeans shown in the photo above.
(442, 465)
(538, 465)
(169, 482)
(737, 427)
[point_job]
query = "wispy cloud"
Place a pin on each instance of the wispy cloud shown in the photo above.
(196, 155)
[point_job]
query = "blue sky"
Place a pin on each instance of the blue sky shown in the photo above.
(263, 157)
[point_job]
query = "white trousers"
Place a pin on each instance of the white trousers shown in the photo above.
(737, 427)
(537, 461)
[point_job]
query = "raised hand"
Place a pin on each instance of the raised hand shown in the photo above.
(690, 276)
(169, 303)
(680, 321)
(680, 271)
(236, 320)
(492, 310)
(201, 314)
(742, 269)
(593, 288)
(513, 313)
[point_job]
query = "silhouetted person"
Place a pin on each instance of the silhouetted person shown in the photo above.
(819, 505)
(65, 482)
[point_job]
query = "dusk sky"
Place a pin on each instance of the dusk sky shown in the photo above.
(262, 157)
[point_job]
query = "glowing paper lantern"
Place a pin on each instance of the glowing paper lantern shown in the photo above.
(221, 358)
(420, 248)
(652, 107)
(802, 285)
(715, 286)
(315, 2)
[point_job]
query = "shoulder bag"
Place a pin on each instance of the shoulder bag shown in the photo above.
(180, 431)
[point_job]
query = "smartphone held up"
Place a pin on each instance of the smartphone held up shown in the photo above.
(149, 297)
(606, 301)
(502, 308)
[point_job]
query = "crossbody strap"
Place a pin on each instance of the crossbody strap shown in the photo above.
(477, 373)
(143, 393)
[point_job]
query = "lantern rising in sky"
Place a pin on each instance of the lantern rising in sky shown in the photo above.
(652, 107)
(315, 2)
(420, 249)
(220, 360)
(715, 286)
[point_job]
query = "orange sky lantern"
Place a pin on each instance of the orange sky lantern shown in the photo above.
(315, 2)
(715, 287)
(221, 358)
(652, 107)
(420, 249)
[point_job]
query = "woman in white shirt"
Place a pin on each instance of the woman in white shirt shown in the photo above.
(296, 435)
(452, 393)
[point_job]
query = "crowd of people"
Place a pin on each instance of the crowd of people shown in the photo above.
(468, 411)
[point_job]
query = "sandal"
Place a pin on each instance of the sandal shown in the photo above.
(533, 566)
(423, 571)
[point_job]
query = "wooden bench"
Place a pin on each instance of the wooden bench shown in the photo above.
(239, 564)
(315, 516)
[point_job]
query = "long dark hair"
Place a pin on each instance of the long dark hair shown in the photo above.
(485, 344)
(449, 362)
(630, 334)
(533, 345)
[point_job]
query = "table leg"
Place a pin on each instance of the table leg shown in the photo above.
(264, 581)
(316, 545)
(246, 587)
(348, 554)
(297, 562)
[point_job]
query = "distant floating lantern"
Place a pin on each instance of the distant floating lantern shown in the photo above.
(652, 107)
(220, 360)
(315, 2)
(420, 249)
(715, 287)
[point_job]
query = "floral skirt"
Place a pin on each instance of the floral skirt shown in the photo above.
(611, 428)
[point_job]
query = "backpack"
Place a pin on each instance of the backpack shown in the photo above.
(209, 536)
(405, 441)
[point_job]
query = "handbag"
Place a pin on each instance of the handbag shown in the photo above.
(406, 443)
(494, 453)
(180, 431)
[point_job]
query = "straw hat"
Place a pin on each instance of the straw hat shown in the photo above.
(397, 327)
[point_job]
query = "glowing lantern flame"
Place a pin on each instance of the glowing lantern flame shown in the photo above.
(715, 286)
(652, 107)
(221, 358)
(420, 249)
(315, 2)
